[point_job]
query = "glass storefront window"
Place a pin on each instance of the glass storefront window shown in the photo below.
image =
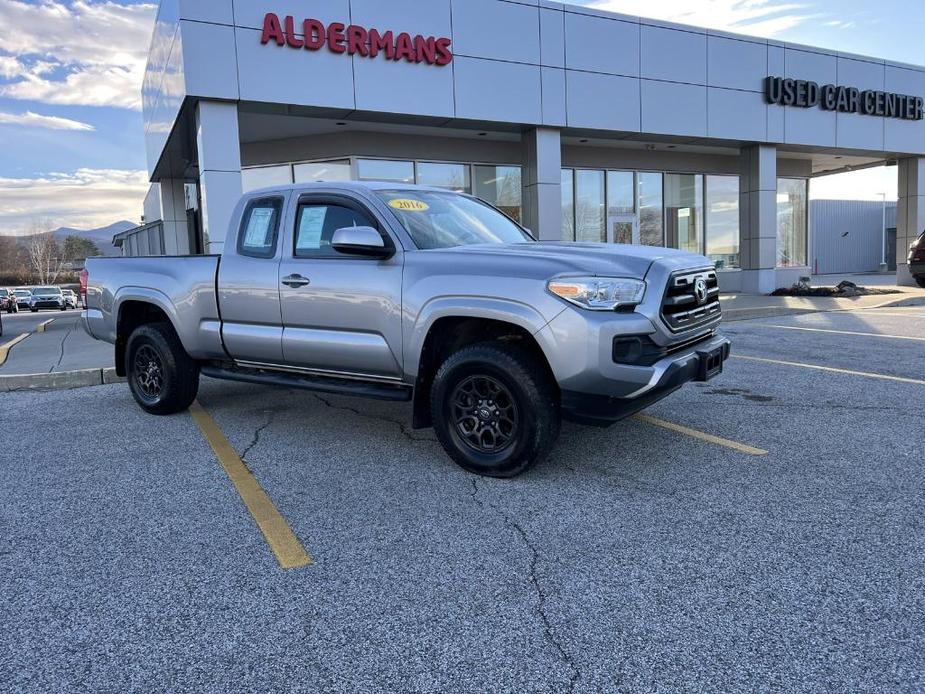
(382, 170)
(791, 222)
(453, 177)
(722, 221)
(500, 186)
(265, 176)
(621, 192)
(621, 206)
(338, 170)
(651, 227)
(589, 207)
(684, 211)
(568, 205)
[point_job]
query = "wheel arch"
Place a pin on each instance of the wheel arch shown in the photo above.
(134, 307)
(449, 332)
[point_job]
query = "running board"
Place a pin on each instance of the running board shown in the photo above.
(320, 384)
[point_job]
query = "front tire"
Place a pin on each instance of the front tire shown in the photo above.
(163, 378)
(495, 409)
(920, 281)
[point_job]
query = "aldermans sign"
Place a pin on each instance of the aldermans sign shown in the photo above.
(312, 35)
(830, 97)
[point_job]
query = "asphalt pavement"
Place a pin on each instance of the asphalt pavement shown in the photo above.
(63, 346)
(635, 559)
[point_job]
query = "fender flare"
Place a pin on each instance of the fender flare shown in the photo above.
(501, 310)
(147, 296)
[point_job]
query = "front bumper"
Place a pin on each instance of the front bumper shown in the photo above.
(699, 362)
(917, 269)
(39, 305)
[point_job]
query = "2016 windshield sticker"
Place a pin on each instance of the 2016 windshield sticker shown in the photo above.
(409, 205)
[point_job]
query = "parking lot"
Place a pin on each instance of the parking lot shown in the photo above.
(760, 532)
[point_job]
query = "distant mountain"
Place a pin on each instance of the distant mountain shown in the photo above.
(102, 237)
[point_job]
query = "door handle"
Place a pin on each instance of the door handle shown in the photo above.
(296, 281)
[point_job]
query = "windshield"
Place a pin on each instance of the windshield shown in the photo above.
(444, 220)
(46, 291)
(22, 292)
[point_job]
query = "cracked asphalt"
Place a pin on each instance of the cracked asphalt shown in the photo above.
(64, 346)
(634, 559)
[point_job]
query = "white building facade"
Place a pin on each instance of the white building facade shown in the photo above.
(584, 125)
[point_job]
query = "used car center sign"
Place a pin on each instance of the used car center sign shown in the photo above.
(313, 35)
(830, 97)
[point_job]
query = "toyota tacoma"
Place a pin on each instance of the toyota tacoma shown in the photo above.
(415, 294)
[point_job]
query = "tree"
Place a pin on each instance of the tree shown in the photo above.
(14, 261)
(77, 248)
(45, 258)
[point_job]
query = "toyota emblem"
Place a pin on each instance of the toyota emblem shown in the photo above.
(700, 290)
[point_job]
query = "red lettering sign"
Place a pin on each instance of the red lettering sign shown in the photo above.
(312, 35)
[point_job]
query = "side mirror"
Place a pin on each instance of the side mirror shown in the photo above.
(364, 241)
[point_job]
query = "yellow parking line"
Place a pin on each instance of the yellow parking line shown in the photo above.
(832, 369)
(5, 349)
(42, 326)
(840, 332)
(703, 436)
(285, 545)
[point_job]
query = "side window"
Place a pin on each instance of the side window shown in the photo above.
(316, 224)
(260, 228)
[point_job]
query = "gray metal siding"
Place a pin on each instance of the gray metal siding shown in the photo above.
(847, 234)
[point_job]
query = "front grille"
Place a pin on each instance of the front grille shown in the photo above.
(682, 309)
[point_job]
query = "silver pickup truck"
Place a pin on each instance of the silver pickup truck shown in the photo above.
(416, 294)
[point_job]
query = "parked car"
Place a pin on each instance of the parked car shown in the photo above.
(8, 301)
(917, 260)
(70, 298)
(23, 297)
(417, 294)
(47, 298)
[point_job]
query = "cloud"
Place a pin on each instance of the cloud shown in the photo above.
(83, 199)
(764, 18)
(36, 120)
(86, 52)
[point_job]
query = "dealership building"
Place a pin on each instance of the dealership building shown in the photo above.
(584, 125)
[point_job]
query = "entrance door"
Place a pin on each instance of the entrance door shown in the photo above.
(623, 228)
(622, 217)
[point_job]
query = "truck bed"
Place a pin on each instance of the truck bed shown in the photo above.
(184, 287)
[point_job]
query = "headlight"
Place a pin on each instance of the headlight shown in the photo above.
(598, 293)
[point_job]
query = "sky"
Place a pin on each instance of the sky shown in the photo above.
(71, 138)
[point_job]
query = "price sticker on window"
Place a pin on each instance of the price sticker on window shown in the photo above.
(409, 205)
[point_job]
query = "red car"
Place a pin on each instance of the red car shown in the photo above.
(8, 301)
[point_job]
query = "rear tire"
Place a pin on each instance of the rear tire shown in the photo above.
(163, 378)
(495, 409)
(920, 281)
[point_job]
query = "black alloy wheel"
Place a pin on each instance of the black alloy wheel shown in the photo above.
(495, 408)
(163, 378)
(148, 374)
(485, 414)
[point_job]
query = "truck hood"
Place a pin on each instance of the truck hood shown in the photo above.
(548, 259)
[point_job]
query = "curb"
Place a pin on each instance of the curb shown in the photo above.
(62, 380)
(731, 315)
(5, 348)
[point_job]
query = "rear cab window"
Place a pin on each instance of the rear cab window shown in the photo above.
(259, 231)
